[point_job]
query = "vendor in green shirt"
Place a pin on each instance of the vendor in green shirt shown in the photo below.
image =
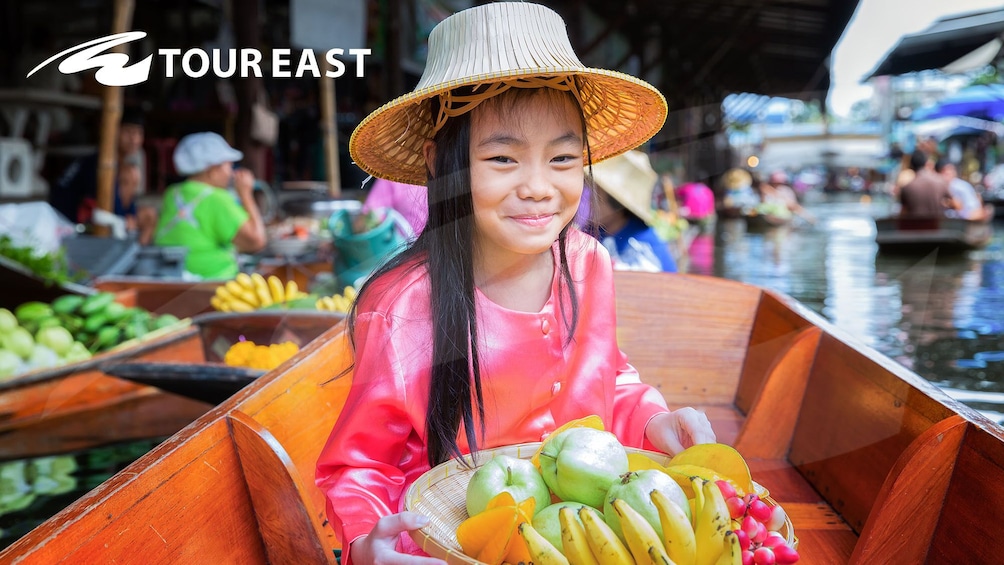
(198, 213)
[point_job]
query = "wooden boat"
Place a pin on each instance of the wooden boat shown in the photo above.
(83, 405)
(759, 223)
(896, 234)
(872, 462)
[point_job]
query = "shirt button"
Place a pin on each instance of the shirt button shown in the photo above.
(545, 326)
(555, 388)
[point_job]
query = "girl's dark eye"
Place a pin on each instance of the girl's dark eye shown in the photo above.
(501, 159)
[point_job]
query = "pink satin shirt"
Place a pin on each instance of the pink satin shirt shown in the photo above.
(534, 379)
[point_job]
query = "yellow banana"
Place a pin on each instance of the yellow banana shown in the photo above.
(732, 552)
(291, 290)
(573, 539)
(242, 302)
(261, 289)
(240, 306)
(277, 289)
(697, 483)
(607, 548)
(712, 522)
(234, 288)
(542, 552)
(224, 294)
(641, 537)
(244, 280)
(219, 304)
(350, 293)
(677, 533)
(248, 296)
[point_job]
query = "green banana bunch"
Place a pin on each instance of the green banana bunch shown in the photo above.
(542, 552)
(603, 542)
(642, 539)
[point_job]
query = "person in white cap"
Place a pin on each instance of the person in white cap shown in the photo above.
(198, 213)
(497, 324)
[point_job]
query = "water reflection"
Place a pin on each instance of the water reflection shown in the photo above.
(940, 315)
(32, 490)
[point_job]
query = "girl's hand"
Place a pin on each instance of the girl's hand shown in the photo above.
(672, 432)
(380, 546)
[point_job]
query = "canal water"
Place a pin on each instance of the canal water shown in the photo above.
(940, 315)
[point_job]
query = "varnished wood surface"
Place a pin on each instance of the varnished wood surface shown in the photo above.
(289, 530)
(863, 423)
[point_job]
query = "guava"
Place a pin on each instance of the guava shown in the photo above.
(56, 338)
(18, 341)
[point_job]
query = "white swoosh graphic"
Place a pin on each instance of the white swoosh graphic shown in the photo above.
(112, 69)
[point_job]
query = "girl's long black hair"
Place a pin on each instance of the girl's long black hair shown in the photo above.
(446, 250)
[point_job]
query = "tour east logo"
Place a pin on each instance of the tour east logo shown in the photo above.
(114, 69)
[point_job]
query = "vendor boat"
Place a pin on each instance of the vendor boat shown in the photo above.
(111, 398)
(872, 463)
(895, 234)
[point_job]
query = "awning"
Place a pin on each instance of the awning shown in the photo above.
(945, 42)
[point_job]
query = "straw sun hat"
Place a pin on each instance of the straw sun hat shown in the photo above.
(630, 179)
(736, 178)
(500, 46)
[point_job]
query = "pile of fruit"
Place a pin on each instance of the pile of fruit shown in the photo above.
(253, 356)
(40, 335)
(337, 302)
(246, 293)
(583, 500)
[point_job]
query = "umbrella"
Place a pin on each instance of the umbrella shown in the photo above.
(978, 101)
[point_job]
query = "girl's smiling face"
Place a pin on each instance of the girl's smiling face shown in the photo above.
(526, 173)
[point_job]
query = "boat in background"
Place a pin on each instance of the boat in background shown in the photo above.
(86, 404)
(921, 235)
(853, 445)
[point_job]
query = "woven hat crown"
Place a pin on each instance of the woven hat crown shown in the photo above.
(504, 44)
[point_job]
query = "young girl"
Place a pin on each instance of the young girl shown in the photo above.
(497, 324)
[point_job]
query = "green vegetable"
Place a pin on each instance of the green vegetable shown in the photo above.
(68, 303)
(165, 320)
(32, 312)
(52, 267)
(95, 323)
(96, 303)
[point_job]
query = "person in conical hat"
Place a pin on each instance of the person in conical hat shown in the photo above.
(495, 325)
(624, 214)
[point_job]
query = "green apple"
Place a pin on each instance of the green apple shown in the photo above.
(547, 523)
(635, 488)
(506, 473)
(580, 464)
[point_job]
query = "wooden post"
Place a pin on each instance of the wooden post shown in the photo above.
(111, 114)
(329, 128)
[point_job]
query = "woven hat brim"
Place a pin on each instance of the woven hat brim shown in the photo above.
(621, 111)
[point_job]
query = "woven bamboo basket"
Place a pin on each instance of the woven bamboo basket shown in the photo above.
(441, 494)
